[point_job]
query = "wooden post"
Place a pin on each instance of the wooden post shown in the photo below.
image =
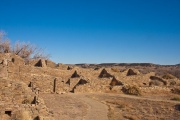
(54, 88)
(32, 86)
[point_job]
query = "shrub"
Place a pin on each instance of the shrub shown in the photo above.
(22, 49)
(176, 91)
(5, 46)
(172, 82)
(132, 90)
(168, 76)
(176, 99)
(26, 101)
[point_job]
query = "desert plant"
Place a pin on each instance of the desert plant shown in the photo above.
(176, 99)
(172, 83)
(119, 104)
(168, 76)
(25, 50)
(176, 90)
(5, 46)
(131, 90)
(27, 101)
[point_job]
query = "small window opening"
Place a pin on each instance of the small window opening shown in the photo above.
(8, 113)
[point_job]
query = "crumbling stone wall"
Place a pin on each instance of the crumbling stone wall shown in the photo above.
(16, 97)
(41, 76)
(52, 78)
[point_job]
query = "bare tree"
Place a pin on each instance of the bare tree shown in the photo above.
(40, 54)
(5, 46)
(25, 50)
(2, 34)
(28, 51)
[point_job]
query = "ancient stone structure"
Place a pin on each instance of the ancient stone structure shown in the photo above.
(20, 83)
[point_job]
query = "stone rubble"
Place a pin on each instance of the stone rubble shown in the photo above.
(21, 83)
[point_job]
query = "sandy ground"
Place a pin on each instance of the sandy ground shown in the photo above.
(96, 110)
(110, 107)
(75, 107)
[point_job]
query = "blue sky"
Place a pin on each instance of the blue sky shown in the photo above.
(97, 31)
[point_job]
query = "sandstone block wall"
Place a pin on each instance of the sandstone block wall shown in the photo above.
(16, 97)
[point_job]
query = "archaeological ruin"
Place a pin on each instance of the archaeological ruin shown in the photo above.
(21, 83)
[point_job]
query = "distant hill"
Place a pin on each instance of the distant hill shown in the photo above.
(84, 65)
(178, 64)
(116, 64)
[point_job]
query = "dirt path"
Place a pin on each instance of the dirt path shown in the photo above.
(96, 110)
(91, 106)
(75, 107)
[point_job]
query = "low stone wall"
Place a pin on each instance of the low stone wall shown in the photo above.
(16, 97)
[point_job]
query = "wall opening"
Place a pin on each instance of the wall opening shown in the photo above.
(38, 64)
(75, 75)
(8, 113)
(13, 60)
(131, 72)
(34, 100)
(104, 74)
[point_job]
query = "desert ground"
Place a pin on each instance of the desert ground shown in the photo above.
(108, 106)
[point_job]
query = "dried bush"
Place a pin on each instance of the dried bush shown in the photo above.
(176, 91)
(26, 101)
(176, 99)
(172, 83)
(5, 46)
(168, 76)
(131, 90)
(25, 50)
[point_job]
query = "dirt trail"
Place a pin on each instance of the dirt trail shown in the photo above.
(96, 110)
(75, 107)
(86, 106)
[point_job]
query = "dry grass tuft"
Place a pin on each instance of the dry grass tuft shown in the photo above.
(168, 76)
(176, 99)
(176, 91)
(172, 83)
(132, 90)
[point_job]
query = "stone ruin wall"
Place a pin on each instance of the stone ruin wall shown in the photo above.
(18, 101)
(42, 77)
(46, 77)
(52, 78)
